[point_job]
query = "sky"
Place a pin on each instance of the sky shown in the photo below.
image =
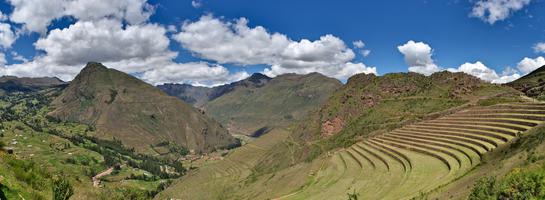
(213, 42)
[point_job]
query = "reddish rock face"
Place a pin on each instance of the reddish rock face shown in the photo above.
(332, 127)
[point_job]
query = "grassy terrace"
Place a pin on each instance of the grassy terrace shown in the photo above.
(404, 163)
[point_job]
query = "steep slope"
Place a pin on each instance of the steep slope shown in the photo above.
(125, 108)
(533, 84)
(287, 98)
(370, 104)
(349, 144)
(9, 84)
(198, 96)
(399, 164)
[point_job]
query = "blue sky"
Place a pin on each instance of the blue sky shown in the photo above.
(447, 35)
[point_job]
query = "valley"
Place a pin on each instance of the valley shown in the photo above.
(397, 142)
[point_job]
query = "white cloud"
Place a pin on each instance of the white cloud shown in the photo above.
(480, 70)
(360, 45)
(418, 56)
(234, 42)
(2, 61)
(539, 47)
(528, 65)
(17, 57)
(200, 73)
(36, 15)
(172, 29)
(492, 11)
(104, 41)
(7, 36)
(196, 3)
(138, 49)
(3, 17)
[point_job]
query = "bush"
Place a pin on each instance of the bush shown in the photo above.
(516, 185)
(62, 189)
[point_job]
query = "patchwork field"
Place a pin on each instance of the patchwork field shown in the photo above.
(404, 163)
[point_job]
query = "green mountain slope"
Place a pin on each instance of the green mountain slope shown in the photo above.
(370, 104)
(138, 114)
(533, 84)
(402, 135)
(287, 98)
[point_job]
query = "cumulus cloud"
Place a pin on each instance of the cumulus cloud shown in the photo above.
(360, 45)
(105, 41)
(201, 73)
(539, 47)
(492, 11)
(17, 57)
(7, 36)
(3, 17)
(418, 55)
(2, 60)
(234, 42)
(528, 65)
(137, 49)
(36, 15)
(479, 70)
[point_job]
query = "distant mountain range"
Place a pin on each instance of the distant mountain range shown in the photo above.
(10, 84)
(258, 103)
(198, 96)
(123, 107)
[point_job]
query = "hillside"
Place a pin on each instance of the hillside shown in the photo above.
(124, 108)
(532, 84)
(370, 104)
(375, 130)
(10, 84)
(281, 101)
(199, 96)
(406, 162)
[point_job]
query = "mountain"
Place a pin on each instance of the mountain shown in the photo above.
(9, 84)
(198, 96)
(396, 136)
(253, 110)
(532, 84)
(193, 95)
(368, 104)
(125, 108)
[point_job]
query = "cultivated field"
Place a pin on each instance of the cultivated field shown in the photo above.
(401, 164)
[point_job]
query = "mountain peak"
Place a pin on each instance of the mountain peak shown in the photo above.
(136, 113)
(258, 78)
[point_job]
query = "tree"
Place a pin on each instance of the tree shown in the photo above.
(62, 189)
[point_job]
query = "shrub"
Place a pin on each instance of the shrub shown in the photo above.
(62, 189)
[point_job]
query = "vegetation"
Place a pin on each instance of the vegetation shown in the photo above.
(288, 97)
(399, 163)
(532, 84)
(516, 185)
(126, 106)
(62, 189)
(45, 147)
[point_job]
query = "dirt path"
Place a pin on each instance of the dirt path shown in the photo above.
(96, 179)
